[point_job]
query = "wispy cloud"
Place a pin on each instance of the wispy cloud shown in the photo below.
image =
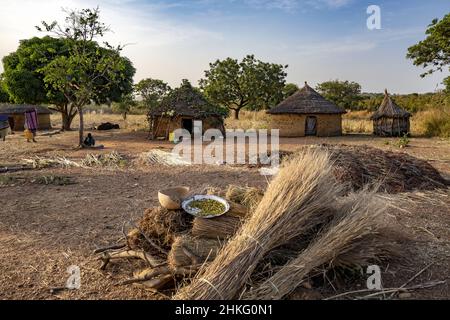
(288, 5)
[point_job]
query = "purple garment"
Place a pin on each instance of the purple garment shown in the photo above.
(31, 120)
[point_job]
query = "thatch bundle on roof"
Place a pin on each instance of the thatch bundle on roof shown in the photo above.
(390, 119)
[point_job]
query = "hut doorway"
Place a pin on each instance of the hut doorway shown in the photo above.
(187, 124)
(311, 126)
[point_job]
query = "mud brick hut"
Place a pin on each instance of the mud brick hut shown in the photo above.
(390, 120)
(307, 113)
(16, 115)
(185, 108)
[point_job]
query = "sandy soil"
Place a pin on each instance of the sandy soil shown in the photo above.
(45, 229)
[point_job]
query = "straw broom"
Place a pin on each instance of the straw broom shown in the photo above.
(345, 233)
(294, 202)
(222, 227)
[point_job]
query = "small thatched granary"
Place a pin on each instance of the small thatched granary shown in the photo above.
(390, 120)
(185, 108)
(16, 115)
(307, 113)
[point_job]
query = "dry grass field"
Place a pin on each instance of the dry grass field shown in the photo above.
(52, 218)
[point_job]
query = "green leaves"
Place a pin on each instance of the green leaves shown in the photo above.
(345, 94)
(152, 92)
(250, 83)
(433, 52)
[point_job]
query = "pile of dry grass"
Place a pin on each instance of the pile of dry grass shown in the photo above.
(111, 160)
(187, 251)
(296, 201)
(246, 196)
(392, 172)
(345, 236)
(161, 225)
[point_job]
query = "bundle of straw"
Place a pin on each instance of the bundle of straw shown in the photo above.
(348, 231)
(162, 157)
(247, 196)
(222, 227)
(185, 249)
(295, 201)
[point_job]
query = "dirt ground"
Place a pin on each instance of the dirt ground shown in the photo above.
(44, 229)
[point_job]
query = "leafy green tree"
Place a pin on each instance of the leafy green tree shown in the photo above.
(251, 84)
(4, 95)
(433, 52)
(289, 89)
(345, 94)
(25, 83)
(124, 105)
(152, 92)
(89, 72)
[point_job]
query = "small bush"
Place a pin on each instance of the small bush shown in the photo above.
(403, 141)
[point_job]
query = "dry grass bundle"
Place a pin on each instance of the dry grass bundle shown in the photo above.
(222, 227)
(161, 225)
(294, 202)
(112, 159)
(346, 234)
(188, 251)
(41, 163)
(162, 157)
(247, 196)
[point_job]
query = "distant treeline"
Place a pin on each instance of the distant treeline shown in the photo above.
(413, 102)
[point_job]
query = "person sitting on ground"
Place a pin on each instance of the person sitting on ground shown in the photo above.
(89, 141)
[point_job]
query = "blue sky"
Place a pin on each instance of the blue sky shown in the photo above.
(319, 39)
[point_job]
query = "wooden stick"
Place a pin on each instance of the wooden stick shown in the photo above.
(106, 257)
(420, 286)
(110, 247)
(150, 241)
(414, 277)
(387, 290)
(157, 283)
(146, 275)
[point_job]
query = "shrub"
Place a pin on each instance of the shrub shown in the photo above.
(434, 123)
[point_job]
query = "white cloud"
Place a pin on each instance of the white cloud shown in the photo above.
(289, 5)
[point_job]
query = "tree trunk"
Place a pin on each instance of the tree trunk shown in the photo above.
(81, 129)
(66, 121)
(124, 115)
(236, 113)
(67, 117)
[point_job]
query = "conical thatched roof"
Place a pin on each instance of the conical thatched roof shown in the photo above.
(187, 101)
(306, 101)
(6, 108)
(389, 109)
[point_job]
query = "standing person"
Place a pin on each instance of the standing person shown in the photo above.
(4, 126)
(31, 121)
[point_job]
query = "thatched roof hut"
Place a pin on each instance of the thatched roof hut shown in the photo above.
(306, 112)
(16, 112)
(390, 119)
(185, 108)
